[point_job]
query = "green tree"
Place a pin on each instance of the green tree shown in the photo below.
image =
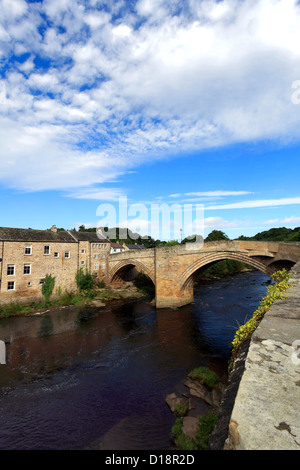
(216, 235)
(47, 287)
(172, 243)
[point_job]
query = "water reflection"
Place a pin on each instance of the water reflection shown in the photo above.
(76, 374)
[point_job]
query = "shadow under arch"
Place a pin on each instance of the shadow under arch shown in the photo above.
(123, 268)
(189, 276)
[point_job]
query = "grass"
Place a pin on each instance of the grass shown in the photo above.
(17, 308)
(204, 376)
(182, 410)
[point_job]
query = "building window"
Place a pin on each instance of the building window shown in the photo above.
(67, 254)
(94, 246)
(103, 265)
(96, 256)
(27, 250)
(82, 263)
(27, 268)
(11, 285)
(83, 251)
(29, 284)
(46, 250)
(103, 256)
(56, 254)
(96, 265)
(10, 269)
(42, 281)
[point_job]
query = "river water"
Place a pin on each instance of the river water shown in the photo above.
(78, 377)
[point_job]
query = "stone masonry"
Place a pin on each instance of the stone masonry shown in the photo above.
(27, 255)
(173, 269)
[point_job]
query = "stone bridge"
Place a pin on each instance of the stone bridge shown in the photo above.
(173, 270)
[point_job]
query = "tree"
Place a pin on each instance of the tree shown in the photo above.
(172, 243)
(216, 235)
(47, 287)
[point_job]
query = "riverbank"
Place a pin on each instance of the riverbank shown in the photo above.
(97, 298)
(196, 409)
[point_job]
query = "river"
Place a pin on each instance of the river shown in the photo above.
(76, 377)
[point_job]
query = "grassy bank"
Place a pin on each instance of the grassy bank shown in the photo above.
(17, 308)
(93, 297)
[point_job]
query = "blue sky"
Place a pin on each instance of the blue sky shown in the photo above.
(161, 102)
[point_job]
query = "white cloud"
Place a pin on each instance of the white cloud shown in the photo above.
(218, 223)
(218, 193)
(257, 203)
(100, 194)
(293, 221)
(111, 94)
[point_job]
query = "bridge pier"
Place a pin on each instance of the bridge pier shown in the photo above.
(174, 300)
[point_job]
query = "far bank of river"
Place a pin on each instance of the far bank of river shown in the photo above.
(82, 375)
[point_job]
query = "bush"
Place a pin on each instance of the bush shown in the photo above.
(47, 287)
(205, 428)
(84, 281)
(12, 308)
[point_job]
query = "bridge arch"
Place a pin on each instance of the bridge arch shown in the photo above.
(120, 269)
(187, 278)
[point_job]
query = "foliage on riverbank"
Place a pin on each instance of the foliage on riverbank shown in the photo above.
(16, 308)
(274, 292)
(206, 425)
(190, 432)
(224, 268)
(144, 284)
(205, 376)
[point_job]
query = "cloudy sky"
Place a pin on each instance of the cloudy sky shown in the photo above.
(174, 102)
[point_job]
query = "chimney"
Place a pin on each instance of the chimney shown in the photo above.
(53, 228)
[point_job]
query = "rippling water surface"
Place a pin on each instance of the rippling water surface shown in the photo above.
(76, 378)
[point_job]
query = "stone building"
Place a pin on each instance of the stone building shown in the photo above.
(27, 255)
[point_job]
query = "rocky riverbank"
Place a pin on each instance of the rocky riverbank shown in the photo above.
(104, 295)
(196, 407)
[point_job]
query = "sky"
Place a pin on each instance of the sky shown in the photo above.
(192, 103)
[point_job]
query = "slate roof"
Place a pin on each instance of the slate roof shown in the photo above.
(117, 245)
(91, 237)
(136, 247)
(32, 235)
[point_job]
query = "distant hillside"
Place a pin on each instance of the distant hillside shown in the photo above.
(281, 234)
